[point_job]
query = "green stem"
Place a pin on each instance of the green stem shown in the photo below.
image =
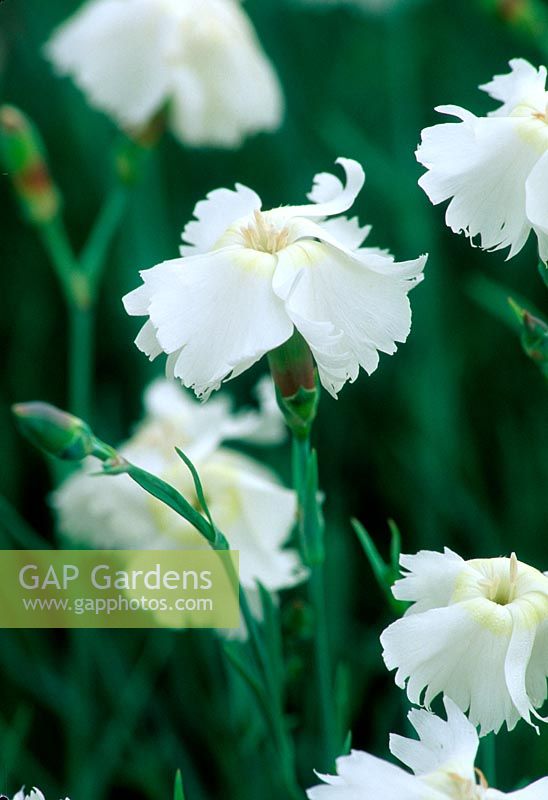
(57, 246)
(272, 697)
(316, 589)
(274, 709)
(94, 254)
(81, 330)
(80, 280)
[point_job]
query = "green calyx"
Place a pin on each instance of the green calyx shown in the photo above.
(296, 381)
(299, 410)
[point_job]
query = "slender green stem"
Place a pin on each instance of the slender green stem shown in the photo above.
(57, 246)
(80, 359)
(322, 662)
(274, 709)
(80, 280)
(316, 588)
(94, 254)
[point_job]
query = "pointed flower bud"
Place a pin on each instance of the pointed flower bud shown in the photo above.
(534, 337)
(295, 378)
(58, 433)
(23, 156)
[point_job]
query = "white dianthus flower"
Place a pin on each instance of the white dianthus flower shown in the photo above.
(246, 500)
(248, 278)
(477, 631)
(442, 761)
(494, 168)
(34, 794)
(202, 61)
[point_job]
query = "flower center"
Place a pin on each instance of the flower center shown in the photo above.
(261, 235)
(501, 585)
(463, 789)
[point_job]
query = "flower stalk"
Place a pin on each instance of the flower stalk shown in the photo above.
(67, 437)
(297, 392)
(23, 155)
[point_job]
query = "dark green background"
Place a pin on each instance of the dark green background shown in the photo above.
(448, 437)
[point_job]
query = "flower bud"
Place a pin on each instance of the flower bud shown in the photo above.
(295, 379)
(23, 157)
(534, 337)
(512, 12)
(56, 432)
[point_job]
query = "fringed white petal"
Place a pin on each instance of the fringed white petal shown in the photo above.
(340, 199)
(345, 310)
(524, 84)
(482, 166)
(216, 311)
(444, 746)
(428, 580)
(214, 215)
(361, 775)
(115, 52)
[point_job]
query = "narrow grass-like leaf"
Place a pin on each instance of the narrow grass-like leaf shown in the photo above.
(273, 637)
(178, 790)
(171, 497)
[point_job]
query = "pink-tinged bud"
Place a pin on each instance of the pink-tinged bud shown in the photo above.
(23, 156)
(295, 378)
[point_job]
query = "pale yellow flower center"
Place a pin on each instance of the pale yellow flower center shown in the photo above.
(262, 235)
(463, 789)
(534, 133)
(501, 585)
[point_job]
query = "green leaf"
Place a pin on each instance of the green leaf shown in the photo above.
(197, 485)
(343, 696)
(167, 494)
(384, 573)
(234, 652)
(178, 790)
(347, 746)
(273, 637)
(380, 569)
(543, 272)
(395, 546)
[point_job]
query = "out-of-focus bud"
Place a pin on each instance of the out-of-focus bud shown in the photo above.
(534, 337)
(59, 433)
(23, 156)
(526, 16)
(295, 379)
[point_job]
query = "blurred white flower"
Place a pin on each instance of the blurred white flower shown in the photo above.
(477, 631)
(133, 58)
(34, 794)
(442, 760)
(246, 500)
(494, 168)
(247, 278)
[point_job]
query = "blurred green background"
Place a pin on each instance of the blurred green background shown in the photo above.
(448, 437)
